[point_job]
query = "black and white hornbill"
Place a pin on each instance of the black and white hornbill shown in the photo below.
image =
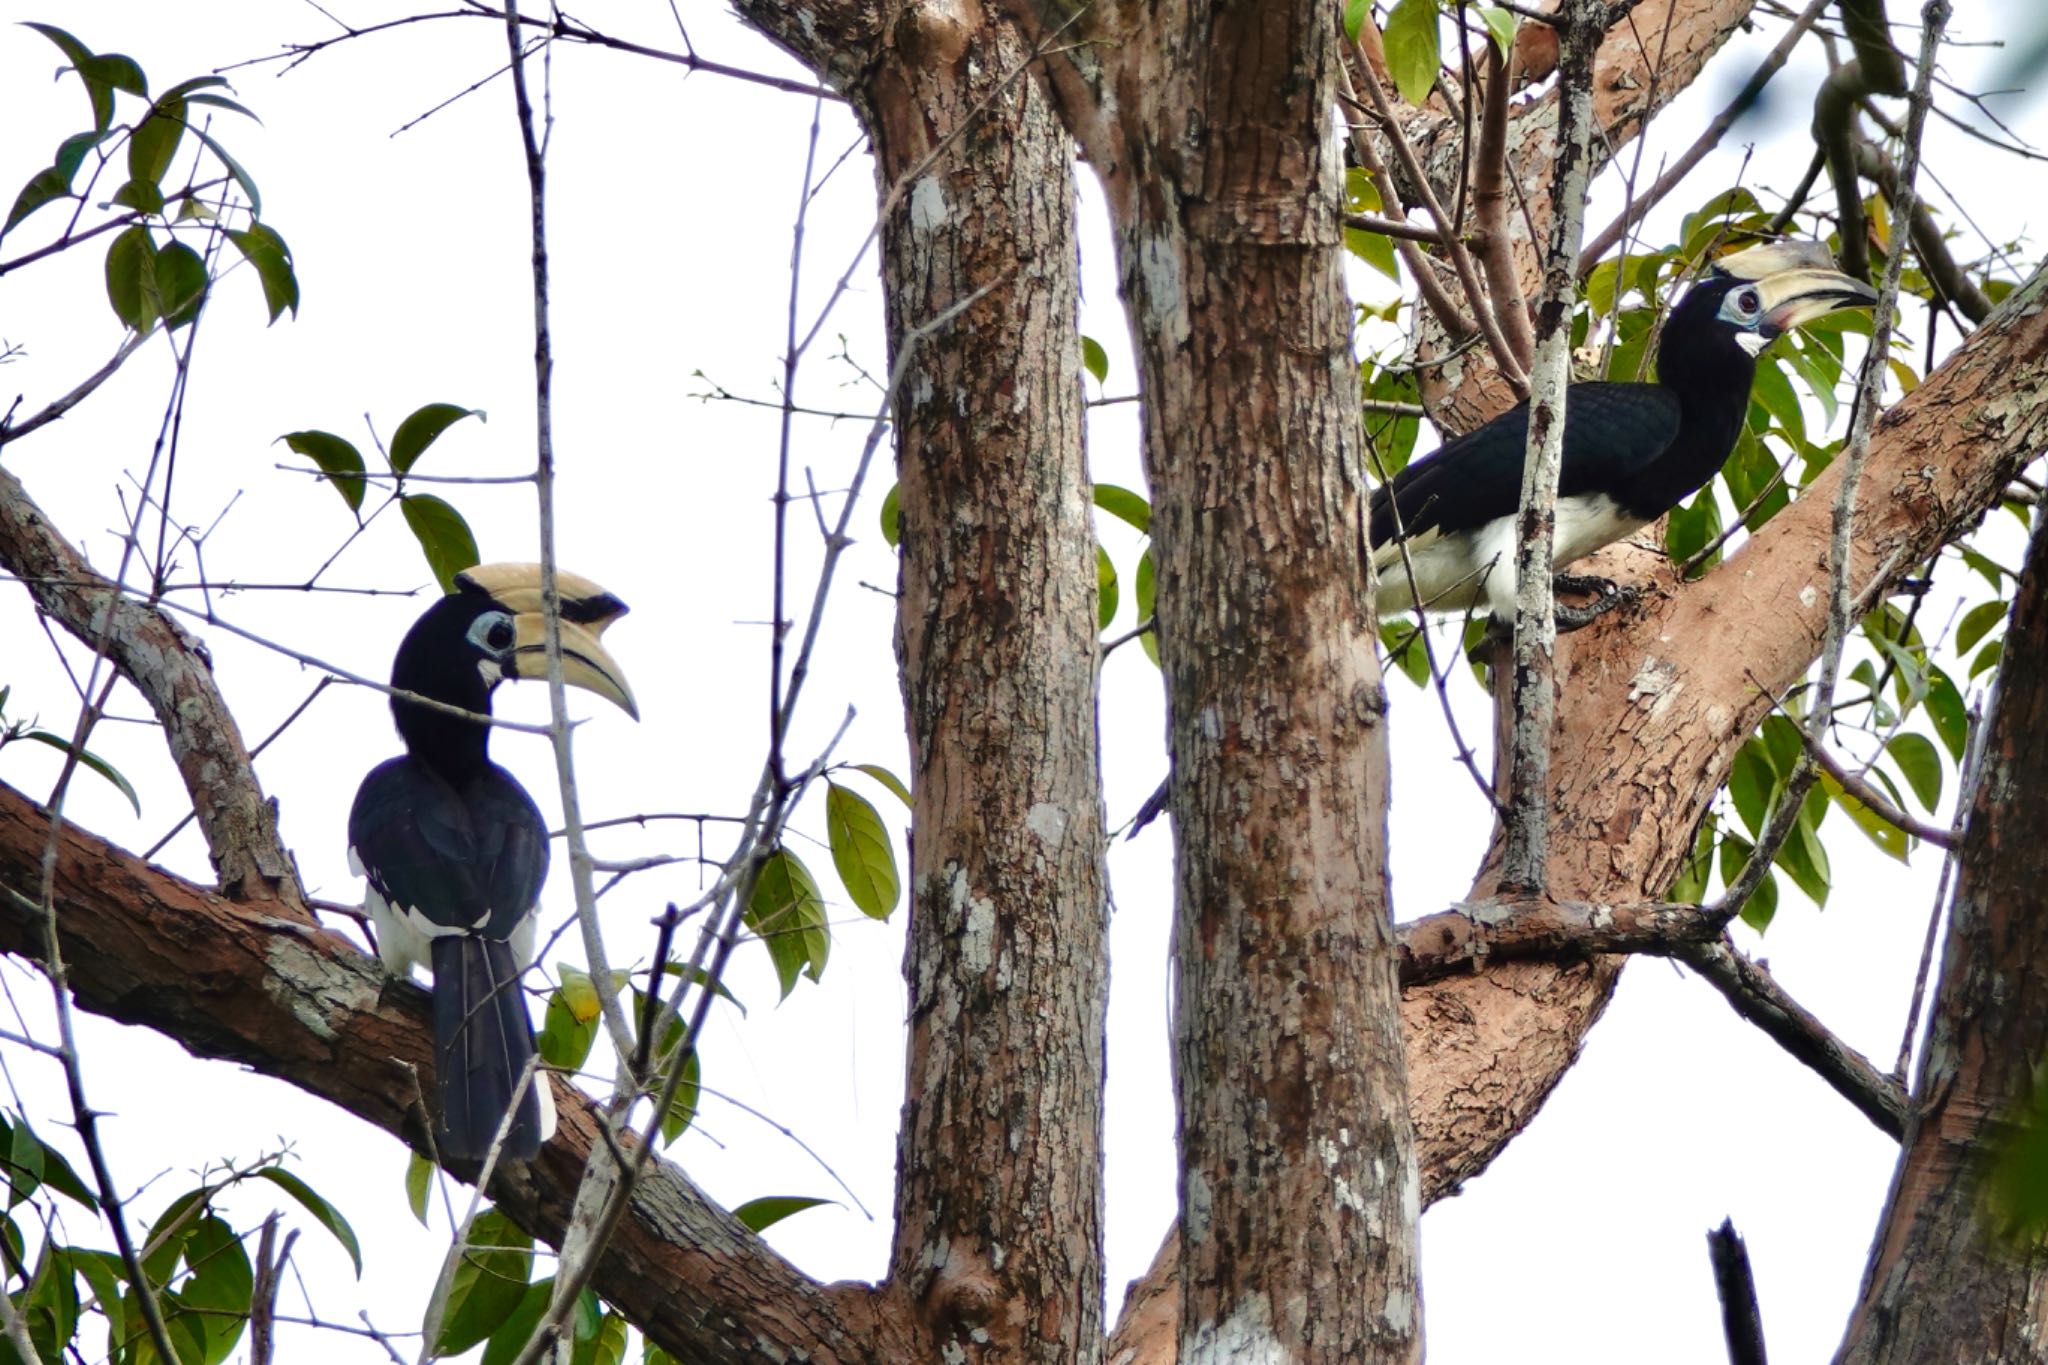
(455, 850)
(1632, 452)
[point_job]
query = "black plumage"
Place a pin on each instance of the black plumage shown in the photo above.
(456, 852)
(1632, 452)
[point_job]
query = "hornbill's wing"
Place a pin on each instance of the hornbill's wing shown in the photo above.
(1612, 432)
(471, 859)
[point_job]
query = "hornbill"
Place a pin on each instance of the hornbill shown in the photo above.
(1632, 452)
(454, 849)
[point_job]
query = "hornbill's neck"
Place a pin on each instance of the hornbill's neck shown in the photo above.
(1711, 377)
(452, 746)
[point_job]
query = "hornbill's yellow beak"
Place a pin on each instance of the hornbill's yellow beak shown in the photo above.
(1796, 282)
(586, 610)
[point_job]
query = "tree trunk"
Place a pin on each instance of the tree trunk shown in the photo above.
(999, 1159)
(1947, 1282)
(1298, 1193)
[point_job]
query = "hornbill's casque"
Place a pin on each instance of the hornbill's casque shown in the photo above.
(1632, 452)
(455, 850)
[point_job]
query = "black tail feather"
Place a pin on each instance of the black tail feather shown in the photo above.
(483, 1041)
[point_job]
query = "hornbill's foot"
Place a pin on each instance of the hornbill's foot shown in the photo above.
(1605, 592)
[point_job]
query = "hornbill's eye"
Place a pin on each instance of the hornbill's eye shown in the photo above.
(1749, 301)
(493, 633)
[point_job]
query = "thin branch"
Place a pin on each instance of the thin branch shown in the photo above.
(1758, 998)
(57, 407)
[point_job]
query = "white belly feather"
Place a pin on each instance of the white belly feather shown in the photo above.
(1453, 572)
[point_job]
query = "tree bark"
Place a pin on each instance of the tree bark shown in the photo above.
(999, 1158)
(1298, 1191)
(1946, 1281)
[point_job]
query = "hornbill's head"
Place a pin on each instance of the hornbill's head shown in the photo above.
(492, 628)
(1751, 297)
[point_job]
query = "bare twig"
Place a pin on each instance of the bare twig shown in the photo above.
(1741, 1318)
(1758, 998)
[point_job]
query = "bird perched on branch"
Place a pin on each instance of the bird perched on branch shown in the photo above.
(1632, 452)
(455, 850)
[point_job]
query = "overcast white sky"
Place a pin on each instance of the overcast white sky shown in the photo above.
(671, 212)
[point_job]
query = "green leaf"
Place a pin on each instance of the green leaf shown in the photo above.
(219, 1290)
(1105, 589)
(421, 429)
(1782, 742)
(1978, 622)
(788, 914)
(1354, 17)
(1693, 527)
(1752, 784)
(1887, 836)
(1773, 392)
(1920, 764)
(1094, 359)
(518, 1327)
(1762, 906)
(1500, 26)
(700, 978)
(324, 1213)
(141, 195)
(767, 1211)
(131, 278)
(1802, 854)
(1413, 56)
(1376, 249)
(887, 779)
(339, 460)
(1144, 593)
(1945, 708)
(419, 1179)
(155, 140)
(571, 1024)
(103, 1272)
(1126, 506)
(1403, 643)
(443, 536)
(242, 177)
(892, 516)
(1987, 658)
(58, 1175)
(89, 759)
(489, 1281)
(181, 282)
(101, 75)
(49, 1307)
(682, 1110)
(263, 248)
(861, 851)
(1691, 886)
(44, 187)
(166, 1240)
(606, 1346)
(24, 1163)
